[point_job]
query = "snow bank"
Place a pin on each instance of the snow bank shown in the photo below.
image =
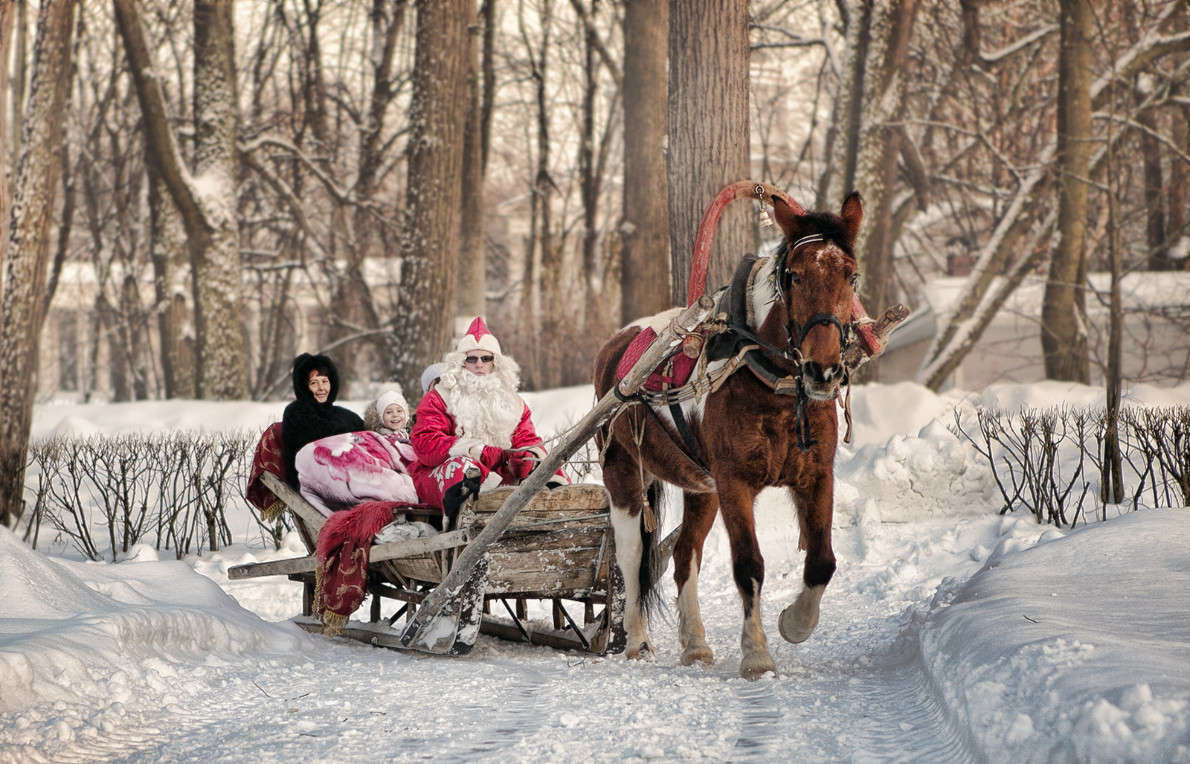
(1076, 649)
(85, 634)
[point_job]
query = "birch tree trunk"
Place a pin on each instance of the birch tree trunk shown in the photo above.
(429, 242)
(708, 133)
(1064, 310)
(32, 212)
(644, 230)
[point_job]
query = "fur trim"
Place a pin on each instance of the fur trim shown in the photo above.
(478, 337)
(467, 447)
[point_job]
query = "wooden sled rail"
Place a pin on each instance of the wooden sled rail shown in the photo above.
(390, 551)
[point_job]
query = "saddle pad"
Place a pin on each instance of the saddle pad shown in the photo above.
(675, 371)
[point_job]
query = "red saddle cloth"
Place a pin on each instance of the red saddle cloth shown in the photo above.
(675, 371)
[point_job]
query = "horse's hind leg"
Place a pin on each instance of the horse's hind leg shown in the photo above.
(697, 517)
(622, 478)
(747, 567)
(797, 622)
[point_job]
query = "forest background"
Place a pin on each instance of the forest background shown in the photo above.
(240, 181)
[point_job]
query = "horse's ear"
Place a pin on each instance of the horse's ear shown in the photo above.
(852, 214)
(785, 217)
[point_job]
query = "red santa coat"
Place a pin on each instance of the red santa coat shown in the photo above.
(435, 433)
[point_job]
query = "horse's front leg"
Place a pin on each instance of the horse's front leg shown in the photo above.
(747, 566)
(815, 508)
(698, 514)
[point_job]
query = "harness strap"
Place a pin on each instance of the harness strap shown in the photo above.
(694, 458)
(693, 452)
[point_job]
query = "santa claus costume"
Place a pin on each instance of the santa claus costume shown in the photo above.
(471, 420)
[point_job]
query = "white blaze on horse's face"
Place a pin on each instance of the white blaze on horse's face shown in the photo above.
(819, 278)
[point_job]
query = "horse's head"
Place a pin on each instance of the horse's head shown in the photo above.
(816, 274)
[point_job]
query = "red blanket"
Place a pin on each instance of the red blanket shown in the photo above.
(342, 550)
(266, 459)
(673, 372)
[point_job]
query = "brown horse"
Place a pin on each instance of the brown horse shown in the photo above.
(771, 423)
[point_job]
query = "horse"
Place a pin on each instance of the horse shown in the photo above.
(775, 426)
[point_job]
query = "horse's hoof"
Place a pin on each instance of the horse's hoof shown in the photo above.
(642, 652)
(700, 654)
(755, 666)
(797, 622)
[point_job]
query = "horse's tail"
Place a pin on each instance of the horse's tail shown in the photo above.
(652, 564)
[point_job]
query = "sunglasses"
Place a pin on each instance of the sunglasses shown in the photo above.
(474, 359)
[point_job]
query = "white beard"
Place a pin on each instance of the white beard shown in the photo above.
(485, 407)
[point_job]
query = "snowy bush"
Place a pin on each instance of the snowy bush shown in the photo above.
(1049, 461)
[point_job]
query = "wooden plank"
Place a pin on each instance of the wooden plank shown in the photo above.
(390, 551)
(313, 519)
(582, 496)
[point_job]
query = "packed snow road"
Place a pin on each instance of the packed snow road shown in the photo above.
(855, 691)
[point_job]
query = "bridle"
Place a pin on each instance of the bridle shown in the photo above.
(781, 271)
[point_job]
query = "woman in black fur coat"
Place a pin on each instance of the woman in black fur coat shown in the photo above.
(313, 414)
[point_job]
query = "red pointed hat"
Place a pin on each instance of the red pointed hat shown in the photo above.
(478, 337)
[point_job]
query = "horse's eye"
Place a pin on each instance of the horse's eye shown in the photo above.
(854, 280)
(794, 277)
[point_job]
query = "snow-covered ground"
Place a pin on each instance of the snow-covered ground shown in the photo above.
(949, 633)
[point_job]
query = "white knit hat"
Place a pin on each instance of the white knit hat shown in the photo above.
(388, 398)
(478, 337)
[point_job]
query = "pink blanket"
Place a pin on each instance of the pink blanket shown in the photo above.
(341, 471)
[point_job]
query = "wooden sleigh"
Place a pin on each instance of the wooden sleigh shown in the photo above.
(558, 553)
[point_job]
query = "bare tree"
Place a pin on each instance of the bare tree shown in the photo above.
(206, 198)
(1017, 220)
(880, 143)
(430, 228)
(28, 246)
(1064, 308)
(708, 132)
(472, 259)
(645, 263)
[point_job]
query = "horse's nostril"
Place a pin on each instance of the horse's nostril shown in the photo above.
(820, 374)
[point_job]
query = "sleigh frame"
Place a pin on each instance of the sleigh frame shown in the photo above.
(558, 557)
